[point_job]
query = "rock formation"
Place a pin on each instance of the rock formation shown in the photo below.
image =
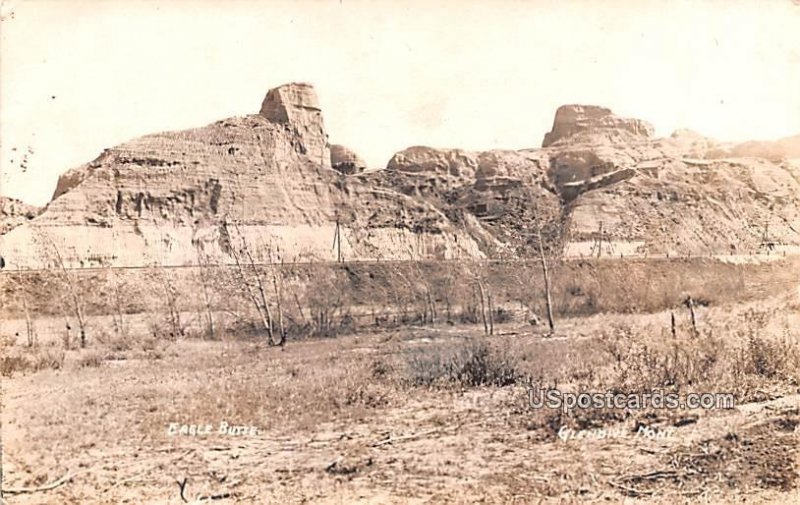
(266, 179)
(346, 161)
(296, 106)
(14, 213)
(600, 186)
(574, 119)
(786, 148)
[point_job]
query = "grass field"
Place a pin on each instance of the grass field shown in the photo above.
(426, 414)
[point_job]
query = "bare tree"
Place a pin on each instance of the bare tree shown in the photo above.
(68, 282)
(118, 299)
(482, 297)
(544, 232)
(30, 331)
(429, 312)
(207, 283)
(23, 294)
(327, 296)
(546, 274)
(172, 295)
(277, 284)
(490, 305)
(251, 280)
(476, 277)
(408, 284)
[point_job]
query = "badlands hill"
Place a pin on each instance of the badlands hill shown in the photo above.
(14, 212)
(600, 185)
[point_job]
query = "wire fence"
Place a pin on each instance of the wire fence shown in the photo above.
(732, 258)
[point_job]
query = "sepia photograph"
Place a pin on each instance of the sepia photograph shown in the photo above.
(399, 252)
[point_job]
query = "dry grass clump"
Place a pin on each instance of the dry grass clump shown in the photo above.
(469, 362)
(115, 341)
(34, 360)
(642, 363)
(775, 357)
(119, 346)
(11, 364)
(49, 358)
(754, 355)
(758, 351)
(89, 360)
(766, 355)
(746, 354)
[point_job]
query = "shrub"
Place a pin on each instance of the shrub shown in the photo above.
(11, 364)
(741, 357)
(92, 360)
(40, 358)
(764, 356)
(502, 315)
(49, 358)
(469, 363)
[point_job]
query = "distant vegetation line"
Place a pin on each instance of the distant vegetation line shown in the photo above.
(523, 261)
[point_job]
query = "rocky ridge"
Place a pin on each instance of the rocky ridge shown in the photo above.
(601, 185)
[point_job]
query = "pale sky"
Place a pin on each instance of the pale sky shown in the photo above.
(80, 76)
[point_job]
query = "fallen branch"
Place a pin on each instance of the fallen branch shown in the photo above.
(660, 474)
(392, 440)
(225, 448)
(631, 491)
(125, 481)
(652, 451)
(47, 487)
(220, 496)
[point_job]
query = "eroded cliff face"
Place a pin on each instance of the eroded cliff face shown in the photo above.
(601, 185)
(685, 195)
(266, 179)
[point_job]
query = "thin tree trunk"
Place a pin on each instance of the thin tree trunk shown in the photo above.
(263, 294)
(171, 298)
(690, 303)
(548, 296)
(482, 295)
(431, 306)
(672, 326)
(67, 335)
(28, 322)
(278, 296)
(491, 313)
(299, 307)
(119, 322)
(207, 300)
(252, 294)
(262, 307)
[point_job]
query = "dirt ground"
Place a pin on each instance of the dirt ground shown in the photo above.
(334, 421)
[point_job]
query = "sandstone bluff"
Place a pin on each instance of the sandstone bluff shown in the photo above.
(600, 185)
